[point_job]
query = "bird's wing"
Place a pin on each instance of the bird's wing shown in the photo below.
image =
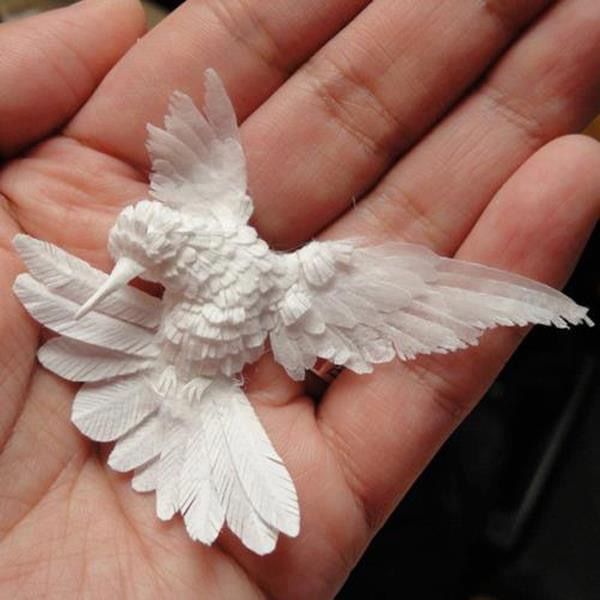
(198, 164)
(359, 306)
(110, 349)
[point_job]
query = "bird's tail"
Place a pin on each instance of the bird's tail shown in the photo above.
(207, 456)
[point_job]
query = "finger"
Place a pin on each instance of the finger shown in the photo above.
(544, 87)
(51, 63)
(253, 45)
(386, 427)
(370, 93)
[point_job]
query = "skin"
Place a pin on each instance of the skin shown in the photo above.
(439, 123)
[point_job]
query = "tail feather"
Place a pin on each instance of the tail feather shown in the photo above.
(202, 511)
(169, 470)
(242, 517)
(250, 458)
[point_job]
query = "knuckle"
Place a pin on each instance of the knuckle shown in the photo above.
(515, 112)
(396, 213)
(351, 99)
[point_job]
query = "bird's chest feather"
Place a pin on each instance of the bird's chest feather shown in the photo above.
(222, 319)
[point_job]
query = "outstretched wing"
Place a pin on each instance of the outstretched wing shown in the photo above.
(198, 164)
(110, 349)
(357, 306)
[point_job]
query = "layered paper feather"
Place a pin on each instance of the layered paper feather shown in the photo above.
(359, 306)
(161, 376)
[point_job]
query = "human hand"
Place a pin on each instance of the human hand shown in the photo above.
(479, 177)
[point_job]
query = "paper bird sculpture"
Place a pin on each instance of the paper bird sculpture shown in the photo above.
(161, 377)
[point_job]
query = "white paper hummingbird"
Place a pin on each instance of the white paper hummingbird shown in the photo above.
(161, 376)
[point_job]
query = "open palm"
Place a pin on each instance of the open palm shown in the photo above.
(360, 119)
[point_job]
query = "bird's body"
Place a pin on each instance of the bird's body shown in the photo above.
(221, 319)
(161, 377)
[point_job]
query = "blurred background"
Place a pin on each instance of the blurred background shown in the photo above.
(510, 507)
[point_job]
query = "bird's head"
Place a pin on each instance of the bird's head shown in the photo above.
(145, 241)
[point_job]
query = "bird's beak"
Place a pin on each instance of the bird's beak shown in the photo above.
(123, 272)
